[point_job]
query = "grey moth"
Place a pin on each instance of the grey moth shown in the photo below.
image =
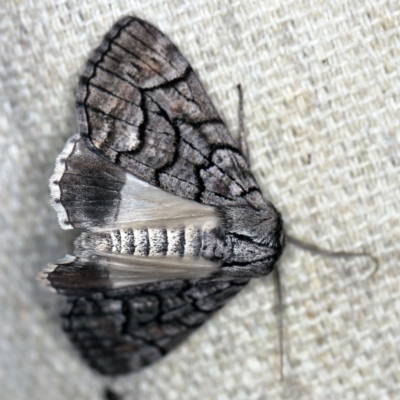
(174, 222)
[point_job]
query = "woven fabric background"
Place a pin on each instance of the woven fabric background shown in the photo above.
(322, 104)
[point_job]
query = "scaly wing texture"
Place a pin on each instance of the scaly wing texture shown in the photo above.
(122, 331)
(143, 107)
(90, 192)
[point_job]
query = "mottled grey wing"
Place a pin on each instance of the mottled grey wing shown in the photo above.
(143, 107)
(122, 331)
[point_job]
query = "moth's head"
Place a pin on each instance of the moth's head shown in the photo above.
(263, 226)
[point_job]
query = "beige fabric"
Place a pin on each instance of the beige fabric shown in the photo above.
(322, 103)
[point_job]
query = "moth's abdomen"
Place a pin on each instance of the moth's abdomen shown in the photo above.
(129, 257)
(181, 242)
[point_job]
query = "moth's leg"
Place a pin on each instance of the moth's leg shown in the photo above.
(317, 250)
(332, 254)
(245, 153)
(277, 278)
(242, 136)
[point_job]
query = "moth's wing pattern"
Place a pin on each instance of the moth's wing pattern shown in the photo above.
(90, 192)
(150, 140)
(122, 331)
(143, 107)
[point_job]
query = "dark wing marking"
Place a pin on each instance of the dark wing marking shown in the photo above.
(100, 271)
(89, 191)
(143, 107)
(85, 187)
(122, 331)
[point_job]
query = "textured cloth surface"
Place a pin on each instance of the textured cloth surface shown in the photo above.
(322, 105)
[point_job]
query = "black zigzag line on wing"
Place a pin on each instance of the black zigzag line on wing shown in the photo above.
(123, 331)
(196, 97)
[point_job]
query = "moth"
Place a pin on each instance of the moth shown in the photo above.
(174, 222)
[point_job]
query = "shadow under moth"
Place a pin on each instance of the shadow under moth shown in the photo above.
(175, 223)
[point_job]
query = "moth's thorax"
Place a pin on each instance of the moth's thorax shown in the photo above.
(262, 225)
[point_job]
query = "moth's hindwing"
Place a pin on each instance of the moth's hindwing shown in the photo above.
(175, 223)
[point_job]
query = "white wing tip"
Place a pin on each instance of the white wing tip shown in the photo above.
(43, 277)
(54, 184)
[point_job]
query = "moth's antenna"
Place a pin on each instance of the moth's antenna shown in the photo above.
(277, 277)
(332, 254)
(242, 136)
